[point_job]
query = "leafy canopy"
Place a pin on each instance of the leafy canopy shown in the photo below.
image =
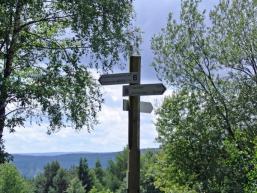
(11, 181)
(75, 186)
(46, 51)
(208, 127)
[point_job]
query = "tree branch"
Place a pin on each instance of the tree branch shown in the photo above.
(12, 111)
(44, 20)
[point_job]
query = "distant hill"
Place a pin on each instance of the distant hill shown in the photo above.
(31, 164)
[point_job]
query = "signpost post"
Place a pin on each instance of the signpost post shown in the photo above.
(134, 132)
(134, 90)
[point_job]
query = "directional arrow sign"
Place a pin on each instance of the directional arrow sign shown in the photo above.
(122, 78)
(143, 89)
(145, 107)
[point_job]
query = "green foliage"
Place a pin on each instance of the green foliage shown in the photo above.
(11, 180)
(95, 190)
(116, 171)
(84, 175)
(75, 186)
(99, 172)
(47, 180)
(208, 127)
(4, 156)
(195, 153)
(47, 51)
(40, 184)
(251, 187)
(81, 179)
(116, 178)
(60, 182)
(148, 173)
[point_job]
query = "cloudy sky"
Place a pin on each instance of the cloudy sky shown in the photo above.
(112, 132)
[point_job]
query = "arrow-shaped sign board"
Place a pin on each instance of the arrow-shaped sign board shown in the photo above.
(121, 78)
(145, 107)
(143, 89)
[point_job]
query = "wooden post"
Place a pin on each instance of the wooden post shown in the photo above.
(134, 132)
(134, 91)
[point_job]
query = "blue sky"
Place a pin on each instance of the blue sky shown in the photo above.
(111, 134)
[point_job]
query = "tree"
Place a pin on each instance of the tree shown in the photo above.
(251, 186)
(99, 172)
(60, 182)
(213, 68)
(46, 51)
(116, 171)
(40, 183)
(148, 173)
(98, 175)
(75, 186)
(195, 155)
(11, 180)
(84, 175)
(45, 181)
(192, 55)
(4, 156)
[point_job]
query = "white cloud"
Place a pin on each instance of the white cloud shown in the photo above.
(114, 92)
(110, 135)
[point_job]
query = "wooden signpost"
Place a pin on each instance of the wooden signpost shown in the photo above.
(134, 90)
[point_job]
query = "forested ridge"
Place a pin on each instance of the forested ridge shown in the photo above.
(80, 178)
(31, 164)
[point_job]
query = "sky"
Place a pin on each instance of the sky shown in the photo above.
(111, 134)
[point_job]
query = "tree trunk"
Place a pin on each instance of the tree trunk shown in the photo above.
(2, 120)
(10, 52)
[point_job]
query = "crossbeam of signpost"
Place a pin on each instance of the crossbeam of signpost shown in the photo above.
(121, 78)
(145, 107)
(143, 89)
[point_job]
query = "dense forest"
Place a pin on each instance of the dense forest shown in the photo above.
(80, 178)
(30, 165)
